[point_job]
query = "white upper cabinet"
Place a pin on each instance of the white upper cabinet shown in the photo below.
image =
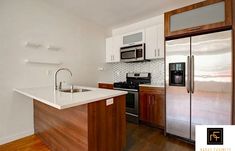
(113, 45)
(161, 41)
(133, 38)
(154, 39)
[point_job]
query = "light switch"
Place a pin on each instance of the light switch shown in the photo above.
(109, 102)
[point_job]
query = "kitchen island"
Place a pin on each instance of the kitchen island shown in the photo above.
(93, 120)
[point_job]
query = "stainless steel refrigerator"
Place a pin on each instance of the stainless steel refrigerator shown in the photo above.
(198, 82)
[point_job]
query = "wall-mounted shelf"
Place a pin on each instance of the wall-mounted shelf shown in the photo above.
(42, 62)
(53, 48)
(33, 44)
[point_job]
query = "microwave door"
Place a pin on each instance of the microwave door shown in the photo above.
(139, 53)
(128, 55)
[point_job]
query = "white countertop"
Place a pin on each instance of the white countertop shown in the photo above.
(62, 100)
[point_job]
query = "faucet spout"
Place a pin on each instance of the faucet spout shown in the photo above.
(56, 74)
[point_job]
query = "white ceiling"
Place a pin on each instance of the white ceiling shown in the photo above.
(114, 13)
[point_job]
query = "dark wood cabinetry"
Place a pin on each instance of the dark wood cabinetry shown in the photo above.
(90, 127)
(152, 106)
(105, 85)
(199, 18)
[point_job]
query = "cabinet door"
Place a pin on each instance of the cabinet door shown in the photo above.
(155, 42)
(143, 106)
(116, 44)
(133, 38)
(151, 37)
(109, 49)
(209, 15)
(160, 41)
(157, 110)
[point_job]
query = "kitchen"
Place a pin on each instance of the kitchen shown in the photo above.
(51, 37)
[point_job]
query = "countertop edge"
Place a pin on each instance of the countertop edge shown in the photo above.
(38, 99)
(68, 105)
(149, 85)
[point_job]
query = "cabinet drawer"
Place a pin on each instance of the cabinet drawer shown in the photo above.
(105, 85)
(152, 90)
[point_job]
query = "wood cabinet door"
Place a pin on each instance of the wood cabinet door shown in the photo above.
(152, 107)
(199, 18)
(157, 110)
(143, 107)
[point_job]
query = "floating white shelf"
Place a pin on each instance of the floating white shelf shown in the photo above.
(53, 48)
(32, 44)
(42, 62)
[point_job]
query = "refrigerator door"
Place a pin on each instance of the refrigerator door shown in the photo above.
(177, 87)
(211, 85)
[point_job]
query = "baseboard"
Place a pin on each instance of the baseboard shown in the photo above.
(8, 139)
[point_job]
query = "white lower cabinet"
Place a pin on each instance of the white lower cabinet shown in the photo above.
(113, 45)
(154, 39)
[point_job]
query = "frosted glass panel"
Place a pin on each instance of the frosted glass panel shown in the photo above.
(201, 16)
(132, 38)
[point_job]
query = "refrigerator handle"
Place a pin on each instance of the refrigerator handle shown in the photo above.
(192, 74)
(188, 74)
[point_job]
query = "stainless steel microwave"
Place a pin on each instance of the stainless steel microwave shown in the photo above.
(133, 53)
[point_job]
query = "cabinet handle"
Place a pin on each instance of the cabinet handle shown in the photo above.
(155, 52)
(113, 57)
(158, 52)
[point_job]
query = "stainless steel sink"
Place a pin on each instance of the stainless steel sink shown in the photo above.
(74, 90)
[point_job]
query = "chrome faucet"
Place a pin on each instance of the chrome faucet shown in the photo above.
(56, 73)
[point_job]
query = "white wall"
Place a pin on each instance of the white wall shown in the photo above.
(139, 25)
(83, 51)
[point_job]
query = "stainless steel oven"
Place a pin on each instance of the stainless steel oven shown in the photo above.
(132, 104)
(133, 53)
(131, 85)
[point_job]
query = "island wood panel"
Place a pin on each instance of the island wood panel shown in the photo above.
(107, 125)
(62, 129)
(198, 29)
(91, 127)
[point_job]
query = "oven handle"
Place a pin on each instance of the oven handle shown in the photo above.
(130, 90)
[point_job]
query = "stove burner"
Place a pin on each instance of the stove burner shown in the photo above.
(133, 80)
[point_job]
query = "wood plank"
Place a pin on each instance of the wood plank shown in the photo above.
(30, 143)
(62, 129)
(139, 138)
(107, 125)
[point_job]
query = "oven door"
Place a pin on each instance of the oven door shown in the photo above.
(132, 103)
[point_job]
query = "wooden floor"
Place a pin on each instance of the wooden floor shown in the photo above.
(144, 138)
(139, 138)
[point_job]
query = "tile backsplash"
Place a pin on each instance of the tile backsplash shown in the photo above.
(155, 67)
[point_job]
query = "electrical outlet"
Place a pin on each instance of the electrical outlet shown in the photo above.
(109, 102)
